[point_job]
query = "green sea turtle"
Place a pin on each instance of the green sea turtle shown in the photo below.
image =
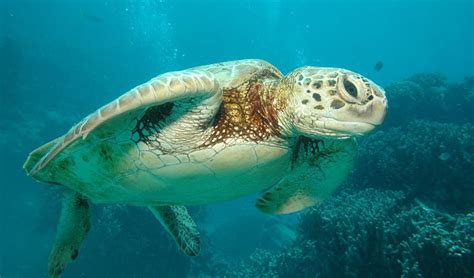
(208, 134)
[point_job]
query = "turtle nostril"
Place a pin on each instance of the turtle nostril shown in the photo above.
(350, 88)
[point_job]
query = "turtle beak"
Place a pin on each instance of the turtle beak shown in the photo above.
(377, 111)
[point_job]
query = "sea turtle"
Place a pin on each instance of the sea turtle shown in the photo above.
(208, 134)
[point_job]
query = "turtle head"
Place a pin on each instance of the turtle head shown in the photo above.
(331, 102)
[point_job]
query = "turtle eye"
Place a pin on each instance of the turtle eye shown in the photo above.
(350, 88)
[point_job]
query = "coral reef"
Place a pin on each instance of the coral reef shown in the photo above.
(432, 243)
(429, 160)
(430, 97)
(371, 233)
(347, 234)
(374, 233)
(426, 147)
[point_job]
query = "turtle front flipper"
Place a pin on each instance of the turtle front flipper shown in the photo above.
(318, 168)
(180, 226)
(166, 88)
(74, 223)
(37, 154)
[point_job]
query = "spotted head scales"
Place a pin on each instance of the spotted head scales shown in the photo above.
(331, 102)
(209, 134)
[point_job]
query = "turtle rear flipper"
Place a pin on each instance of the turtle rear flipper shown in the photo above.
(74, 224)
(180, 226)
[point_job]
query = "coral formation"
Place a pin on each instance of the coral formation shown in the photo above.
(430, 97)
(429, 160)
(371, 233)
(375, 233)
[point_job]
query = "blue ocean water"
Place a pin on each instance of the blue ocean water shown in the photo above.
(62, 59)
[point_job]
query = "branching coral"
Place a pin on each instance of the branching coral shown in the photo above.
(371, 233)
(348, 235)
(436, 244)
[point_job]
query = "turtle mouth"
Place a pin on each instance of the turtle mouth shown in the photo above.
(348, 129)
(332, 128)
